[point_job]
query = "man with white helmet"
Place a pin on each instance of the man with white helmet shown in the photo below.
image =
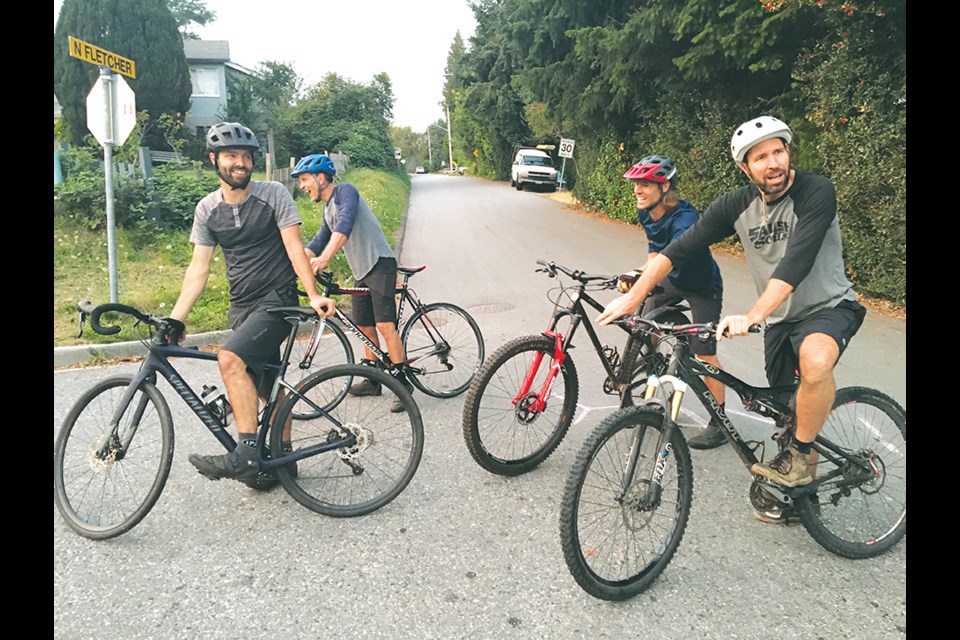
(787, 222)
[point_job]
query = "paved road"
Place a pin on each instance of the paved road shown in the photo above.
(463, 553)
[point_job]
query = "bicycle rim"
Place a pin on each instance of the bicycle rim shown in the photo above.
(867, 518)
(446, 347)
(367, 475)
(613, 547)
(100, 490)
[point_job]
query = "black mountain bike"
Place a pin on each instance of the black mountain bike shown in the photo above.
(442, 343)
(627, 498)
(521, 403)
(114, 450)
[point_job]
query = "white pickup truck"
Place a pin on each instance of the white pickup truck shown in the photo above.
(533, 167)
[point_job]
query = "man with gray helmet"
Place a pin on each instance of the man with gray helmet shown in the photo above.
(787, 222)
(257, 226)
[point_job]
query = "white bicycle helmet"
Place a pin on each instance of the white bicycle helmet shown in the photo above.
(757, 130)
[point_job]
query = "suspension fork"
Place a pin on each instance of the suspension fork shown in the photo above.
(558, 357)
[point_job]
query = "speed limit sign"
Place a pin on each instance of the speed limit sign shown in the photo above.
(566, 148)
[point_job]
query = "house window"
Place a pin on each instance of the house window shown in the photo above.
(206, 82)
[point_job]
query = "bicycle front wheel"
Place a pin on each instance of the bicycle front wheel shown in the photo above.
(362, 477)
(446, 347)
(107, 479)
(507, 434)
(617, 534)
(334, 348)
(853, 518)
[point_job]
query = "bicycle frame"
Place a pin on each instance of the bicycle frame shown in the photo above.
(157, 362)
(406, 295)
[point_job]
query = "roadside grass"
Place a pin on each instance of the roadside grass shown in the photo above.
(151, 264)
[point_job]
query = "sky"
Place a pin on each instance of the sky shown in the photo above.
(356, 39)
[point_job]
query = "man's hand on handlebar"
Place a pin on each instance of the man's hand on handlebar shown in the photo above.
(618, 307)
(325, 307)
(731, 326)
(318, 264)
(175, 331)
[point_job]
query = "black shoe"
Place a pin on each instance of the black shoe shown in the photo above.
(398, 405)
(229, 465)
(710, 438)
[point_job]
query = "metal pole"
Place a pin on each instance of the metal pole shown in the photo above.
(429, 149)
(106, 79)
(449, 137)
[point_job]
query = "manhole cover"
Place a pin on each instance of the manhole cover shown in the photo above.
(492, 307)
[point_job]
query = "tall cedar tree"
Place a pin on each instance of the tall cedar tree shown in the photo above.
(142, 30)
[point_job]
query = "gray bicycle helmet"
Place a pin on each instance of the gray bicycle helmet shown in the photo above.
(233, 135)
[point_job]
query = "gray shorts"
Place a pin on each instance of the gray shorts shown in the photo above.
(781, 341)
(257, 336)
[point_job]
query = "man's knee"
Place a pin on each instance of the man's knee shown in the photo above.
(387, 329)
(818, 356)
(230, 363)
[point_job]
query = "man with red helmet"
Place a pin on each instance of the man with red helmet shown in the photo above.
(787, 222)
(665, 217)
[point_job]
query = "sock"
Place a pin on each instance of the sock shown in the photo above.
(802, 447)
(723, 410)
(247, 446)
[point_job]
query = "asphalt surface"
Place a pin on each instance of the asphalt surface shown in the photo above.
(462, 553)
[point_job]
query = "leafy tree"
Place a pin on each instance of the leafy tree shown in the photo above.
(343, 116)
(188, 12)
(142, 30)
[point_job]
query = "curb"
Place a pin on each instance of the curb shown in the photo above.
(64, 356)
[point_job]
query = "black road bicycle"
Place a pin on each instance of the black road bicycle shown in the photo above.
(627, 498)
(442, 343)
(514, 416)
(114, 450)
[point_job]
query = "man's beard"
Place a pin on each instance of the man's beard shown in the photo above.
(772, 191)
(236, 183)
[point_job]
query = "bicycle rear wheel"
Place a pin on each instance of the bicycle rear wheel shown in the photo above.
(614, 544)
(334, 348)
(358, 479)
(447, 348)
(107, 480)
(861, 519)
(504, 434)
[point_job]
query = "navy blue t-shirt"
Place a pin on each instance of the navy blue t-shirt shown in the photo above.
(700, 273)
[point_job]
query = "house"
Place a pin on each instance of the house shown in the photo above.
(210, 70)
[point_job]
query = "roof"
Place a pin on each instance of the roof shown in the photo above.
(206, 50)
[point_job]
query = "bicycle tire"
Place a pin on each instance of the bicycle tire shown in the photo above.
(104, 497)
(500, 436)
(612, 550)
(868, 519)
(385, 458)
(450, 372)
(334, 349)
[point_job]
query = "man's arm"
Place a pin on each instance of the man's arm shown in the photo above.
(336, 242)
(655, 271)
(194, 281)
(293, 244)
(772, 297)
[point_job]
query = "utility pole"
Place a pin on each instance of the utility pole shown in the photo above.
(449, 136)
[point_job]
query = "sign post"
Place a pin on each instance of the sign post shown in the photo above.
(566, 151)
(111, 116)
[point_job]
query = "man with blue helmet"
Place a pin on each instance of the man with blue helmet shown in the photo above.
(349, 224)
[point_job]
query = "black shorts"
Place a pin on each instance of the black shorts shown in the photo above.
(703, 308)
(381, 304)
(257, 336)
(781, 341)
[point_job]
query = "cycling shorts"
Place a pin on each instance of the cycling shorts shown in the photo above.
(381, 304)
(781, 341)
(257, 336)
(703, 308)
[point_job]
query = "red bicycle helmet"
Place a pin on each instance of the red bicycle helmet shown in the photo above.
(656, 168)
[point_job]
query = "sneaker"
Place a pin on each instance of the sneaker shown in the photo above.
(789, 468)
(365, 387)
(710, 438)
(229, 465)
(783, 515)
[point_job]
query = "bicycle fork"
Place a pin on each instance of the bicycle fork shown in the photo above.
(534, 405)
(650, 499)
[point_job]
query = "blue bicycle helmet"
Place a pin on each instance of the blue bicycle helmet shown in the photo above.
(315, 163)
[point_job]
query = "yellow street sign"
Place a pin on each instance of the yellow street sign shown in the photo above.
(92, 53)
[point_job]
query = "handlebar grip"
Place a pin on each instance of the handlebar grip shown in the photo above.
(542, 263)
(104, 308)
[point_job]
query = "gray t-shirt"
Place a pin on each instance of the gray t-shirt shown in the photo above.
(795, 238)
(249, 234)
